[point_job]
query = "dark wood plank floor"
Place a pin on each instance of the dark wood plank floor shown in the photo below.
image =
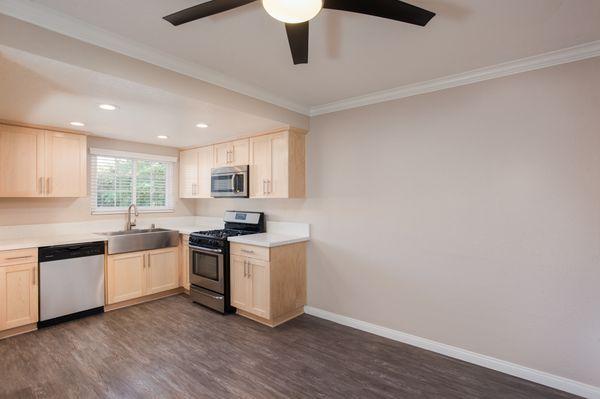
(174, 349)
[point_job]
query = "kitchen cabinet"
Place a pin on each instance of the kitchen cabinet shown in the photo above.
(268, 285)
(162, 270)
(232, 153)
(277, 165)
(194, 172)
(18, 289)
(41, 163)
(184, 260)
(137, 274)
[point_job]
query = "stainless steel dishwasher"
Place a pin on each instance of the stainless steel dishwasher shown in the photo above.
(71, 282)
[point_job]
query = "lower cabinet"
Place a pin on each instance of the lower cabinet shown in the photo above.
(268, 284)
(133, 275)
(184, 260)
(18, 288)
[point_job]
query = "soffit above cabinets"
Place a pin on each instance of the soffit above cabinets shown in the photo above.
(52, 93)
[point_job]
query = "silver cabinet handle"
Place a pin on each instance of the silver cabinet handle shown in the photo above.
(149, 264)
(264, 186)
(269, 188)
(49, 188)
(41, 183)
(245, 273)
(33, 276)
(248, 251)
(249, 268)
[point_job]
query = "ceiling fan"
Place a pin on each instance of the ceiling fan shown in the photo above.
(296, 15)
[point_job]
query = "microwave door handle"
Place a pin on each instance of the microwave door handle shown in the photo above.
(233, 183)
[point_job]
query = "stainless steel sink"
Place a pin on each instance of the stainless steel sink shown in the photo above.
(140, 240)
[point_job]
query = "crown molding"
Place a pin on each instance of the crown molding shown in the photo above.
(50, 19)
(563, 56)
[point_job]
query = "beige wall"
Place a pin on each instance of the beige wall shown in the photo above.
(469, 216)
(52, 210)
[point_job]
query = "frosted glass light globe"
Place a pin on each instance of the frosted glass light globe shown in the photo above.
(293, 11)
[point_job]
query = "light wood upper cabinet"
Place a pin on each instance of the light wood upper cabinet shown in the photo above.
(162, 270)
(233, 153)
(66, 165)
(194, 172)
(136, 274)
(188, 173)
(277, 165)
(21, 161)
(221, 154)
(18, 288)
(39, 163)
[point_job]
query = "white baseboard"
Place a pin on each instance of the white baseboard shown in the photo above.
(540, 377)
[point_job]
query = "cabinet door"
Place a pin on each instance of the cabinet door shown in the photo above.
(241, 152)
(221, 154)
(184, 260)
(240, 283)
(260, 166)
(205, 164)
(125, 276)
(21, 162)
(19, 295)
(188, 173)
(260, 288)
(66, 165)
(162, 271)
(278, 182)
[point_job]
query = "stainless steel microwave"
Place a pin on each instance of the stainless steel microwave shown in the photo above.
(229, 181)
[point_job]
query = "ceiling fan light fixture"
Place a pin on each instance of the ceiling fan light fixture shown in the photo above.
(293, 11)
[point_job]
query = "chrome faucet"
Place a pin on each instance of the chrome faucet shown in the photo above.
(129, 223)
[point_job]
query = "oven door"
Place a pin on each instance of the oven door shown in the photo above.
(207, 268)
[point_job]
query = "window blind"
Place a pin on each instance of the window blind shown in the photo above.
(118, 181)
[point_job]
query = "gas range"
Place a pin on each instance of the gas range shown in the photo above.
(215, 238)
(209, 258)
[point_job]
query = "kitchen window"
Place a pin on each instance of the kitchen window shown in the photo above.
(120, 178)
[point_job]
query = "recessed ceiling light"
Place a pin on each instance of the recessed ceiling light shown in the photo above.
(78, 124)
(202, 125)
(163, 137)
(107, 107)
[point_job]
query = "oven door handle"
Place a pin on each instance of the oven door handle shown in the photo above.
(216, 251)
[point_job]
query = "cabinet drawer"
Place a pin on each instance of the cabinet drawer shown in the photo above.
(18, 256)
(250, 251)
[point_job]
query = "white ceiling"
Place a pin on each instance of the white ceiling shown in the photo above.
(350, 54)
(41, 91)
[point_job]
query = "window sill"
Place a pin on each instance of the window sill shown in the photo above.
(140, 211)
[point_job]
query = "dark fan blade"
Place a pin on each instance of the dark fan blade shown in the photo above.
(298, 37)
(391, 9)
(204, 10)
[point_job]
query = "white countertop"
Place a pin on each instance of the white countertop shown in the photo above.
(268, 240)
(36, 242)
(41, 235)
